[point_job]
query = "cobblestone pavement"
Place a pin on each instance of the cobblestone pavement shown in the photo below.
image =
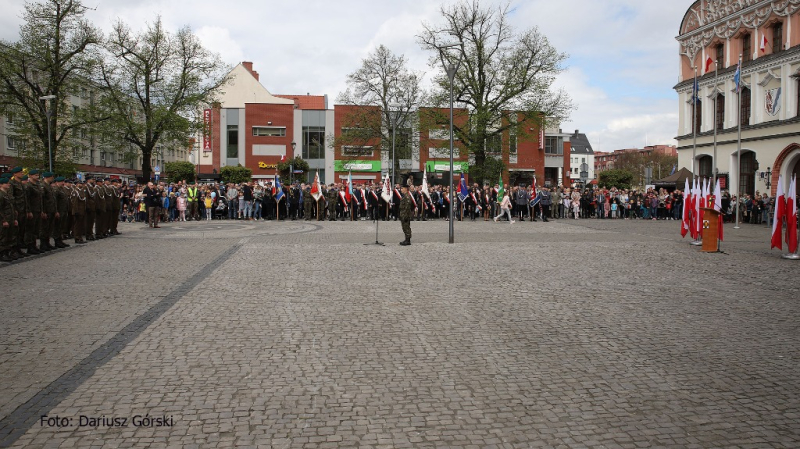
(575, 333)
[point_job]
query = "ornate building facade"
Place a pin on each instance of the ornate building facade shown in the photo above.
(714, 36)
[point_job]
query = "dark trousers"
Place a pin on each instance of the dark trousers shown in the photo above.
(77, 227)
(32, 229)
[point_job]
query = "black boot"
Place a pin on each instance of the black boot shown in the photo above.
(5, 257)
(33, 250)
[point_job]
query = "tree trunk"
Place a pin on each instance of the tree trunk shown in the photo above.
(147, 169)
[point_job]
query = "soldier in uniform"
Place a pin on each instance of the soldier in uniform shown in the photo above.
(49, 208)
(66, 221)
(79, 203)
(8, 222)
(115, 206)
(62, 210)
(33, 191)
(20, 200)
(110, 198)
(320, 204)
(91, 208)
(333, 200)
(102, 212)
(308, 204)
(406, 210)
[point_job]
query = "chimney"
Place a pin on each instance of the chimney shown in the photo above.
(249, 66)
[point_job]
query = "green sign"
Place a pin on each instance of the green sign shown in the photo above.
(359, 166)
(442, 166)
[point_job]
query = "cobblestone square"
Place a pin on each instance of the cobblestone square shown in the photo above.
(575, 333)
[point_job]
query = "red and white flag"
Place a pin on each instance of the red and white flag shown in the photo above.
(791, 216)
(315, 190)
(780, 214)
(687, 204)
(699, 202)
(718, 208)
(764, 43)
(386, 193)
(283, 158)
(709, 61)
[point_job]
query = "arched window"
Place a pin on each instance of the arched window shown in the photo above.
(747, 173)
(706, 169)
(720, 112)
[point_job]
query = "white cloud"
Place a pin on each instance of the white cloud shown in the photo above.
(623, 60)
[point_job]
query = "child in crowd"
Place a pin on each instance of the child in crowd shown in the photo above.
(209, 203)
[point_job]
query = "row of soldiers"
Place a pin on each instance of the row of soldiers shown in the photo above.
(38, 206)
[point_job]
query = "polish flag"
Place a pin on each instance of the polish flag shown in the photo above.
(780, 214)
(709, 61)
(791, 216)
(764, 43)
(699, 203)
(283, 158)
(687, 204)
(315, 190)
(718, 208)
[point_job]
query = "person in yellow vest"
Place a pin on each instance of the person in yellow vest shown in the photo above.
(194, 211)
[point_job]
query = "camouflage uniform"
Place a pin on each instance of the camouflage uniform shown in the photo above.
(406, 212)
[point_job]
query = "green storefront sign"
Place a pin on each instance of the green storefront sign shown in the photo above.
(442, 166)
(359, 166)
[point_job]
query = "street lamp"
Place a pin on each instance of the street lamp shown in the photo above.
(451, 67)
(394, 110)
(291, 163)
(49, 114)
(768, 181)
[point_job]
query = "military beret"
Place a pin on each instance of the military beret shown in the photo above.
(33, 171)
(69, 181)
(16, 169)
(25, 178)
(3, 181)
(48, 174)
(106, 179)
(60, 179)
(115, 180)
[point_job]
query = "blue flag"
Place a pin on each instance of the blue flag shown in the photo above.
(737, 77)
(695, 91)
(278, 189)
(674, 167)
(463, 191)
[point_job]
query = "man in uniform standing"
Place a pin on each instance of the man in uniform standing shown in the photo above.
(406, 210)
(62, 210)
(115, 206)
(79, 204)
(91, 208)
(308, 203)
(49, 208)
(333, 200)
(17, 193)
(194, 211)
(8, 220)
(33, 191)
(102, 211)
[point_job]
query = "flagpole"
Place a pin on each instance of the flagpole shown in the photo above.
(695, 98)
(714, 162)
(739, 145)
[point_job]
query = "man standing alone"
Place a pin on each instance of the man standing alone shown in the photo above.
(152, 198)
(406, 211)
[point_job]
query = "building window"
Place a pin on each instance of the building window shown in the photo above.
(720, 116)
(313, 142)
(83, 133)
(494, 144)
(512, 144)
(442, 153)
(10, 143)
(233, 141)
(747, 48)
(583, 160)
(269, 131)
(777, 37)
(10, 119)
(745, 117)
(439, 134)
(720, 55)
(551, 146)
(356, 151)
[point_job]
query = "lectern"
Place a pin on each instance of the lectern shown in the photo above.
(710, 230)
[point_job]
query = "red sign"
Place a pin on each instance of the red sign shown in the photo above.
(723, 183)
(541, 136)
(207, 130)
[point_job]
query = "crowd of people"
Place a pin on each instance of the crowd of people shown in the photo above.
(38, 207)
(182, 201)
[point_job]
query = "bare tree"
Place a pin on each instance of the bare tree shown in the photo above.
(504, 78)
(383, 96)
(155, 84)
(54, 56)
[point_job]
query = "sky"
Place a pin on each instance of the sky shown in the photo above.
(622, 65)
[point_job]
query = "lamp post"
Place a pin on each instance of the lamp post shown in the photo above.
(49, 114)
(768, 181)
(291, 163)
(451, 67)
(394, 116)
